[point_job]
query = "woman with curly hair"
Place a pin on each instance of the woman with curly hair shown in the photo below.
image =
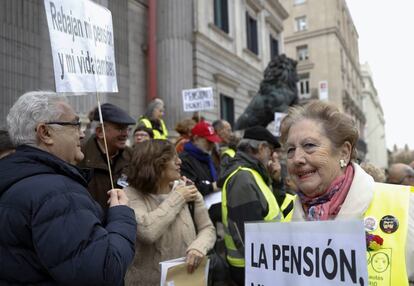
(166, 228)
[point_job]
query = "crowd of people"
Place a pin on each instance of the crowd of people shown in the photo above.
(98, 210)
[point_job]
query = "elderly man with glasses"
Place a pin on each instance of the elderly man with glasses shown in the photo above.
(116, 124)
(52, 231)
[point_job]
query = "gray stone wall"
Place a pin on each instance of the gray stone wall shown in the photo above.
(26, 60)
(227, 74)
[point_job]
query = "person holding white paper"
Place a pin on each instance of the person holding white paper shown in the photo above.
(52, 231)
(320, 142)
(166, 229)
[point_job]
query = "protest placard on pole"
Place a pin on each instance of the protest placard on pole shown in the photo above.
(82, 41)
(306, 253)
(198, 99)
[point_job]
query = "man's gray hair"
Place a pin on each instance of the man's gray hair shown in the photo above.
(30, 109)
(218, 124)
(155, 103)
(250, 146)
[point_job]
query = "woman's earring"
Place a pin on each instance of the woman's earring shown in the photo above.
(342, 163)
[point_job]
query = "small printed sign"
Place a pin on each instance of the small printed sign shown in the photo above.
(198, 99)
(323, 90)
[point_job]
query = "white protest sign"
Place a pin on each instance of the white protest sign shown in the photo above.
(306, 253)
(82, 40)
(198, 99)
(323, 90)
(278, 119)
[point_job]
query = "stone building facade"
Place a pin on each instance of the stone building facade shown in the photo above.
(375, 125)
(321, 35)
(224, 44)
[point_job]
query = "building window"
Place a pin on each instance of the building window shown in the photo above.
(302, 53)
(251, 32)
(227, 108)
(301, 24)
(274, 47)
(298, 2)
(303, 86)
(221, 15)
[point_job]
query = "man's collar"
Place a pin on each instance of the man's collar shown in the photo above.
(102, 149)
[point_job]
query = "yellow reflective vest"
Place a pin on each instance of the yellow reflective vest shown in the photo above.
(234, 257)
(389, 208)
(388, 211)
(157, 134)
(287, 206)
(229, 152)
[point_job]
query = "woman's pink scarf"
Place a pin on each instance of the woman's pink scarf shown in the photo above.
(328, 205)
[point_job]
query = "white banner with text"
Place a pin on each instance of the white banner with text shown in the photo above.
(82, 41)
(306, 253)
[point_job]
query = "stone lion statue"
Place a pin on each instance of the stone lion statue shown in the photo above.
(277, 92)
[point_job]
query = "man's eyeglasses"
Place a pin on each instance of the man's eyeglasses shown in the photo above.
(80, 125)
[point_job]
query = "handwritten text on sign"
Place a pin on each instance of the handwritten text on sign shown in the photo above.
(306, 253)
(198, 99)
(82, 41)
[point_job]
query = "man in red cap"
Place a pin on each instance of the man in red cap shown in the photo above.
(197, 164)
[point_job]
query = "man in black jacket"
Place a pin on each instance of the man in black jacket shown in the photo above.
(247, 192)
(197, 164)
(52, 232)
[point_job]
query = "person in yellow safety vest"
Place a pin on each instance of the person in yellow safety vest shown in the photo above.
(320, 142)
(247, 193)
(152, 119)
(228, 144)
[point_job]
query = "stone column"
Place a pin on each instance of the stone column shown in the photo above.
(174, 55)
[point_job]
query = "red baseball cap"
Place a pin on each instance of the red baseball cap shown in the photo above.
(205, 130)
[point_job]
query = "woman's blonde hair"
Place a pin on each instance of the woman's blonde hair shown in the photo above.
(338, 126)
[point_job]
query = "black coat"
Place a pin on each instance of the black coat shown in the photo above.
(51, 229)
(198, 172)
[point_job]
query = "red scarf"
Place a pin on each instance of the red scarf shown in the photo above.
(328, 205)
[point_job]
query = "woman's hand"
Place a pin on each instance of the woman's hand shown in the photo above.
(117, 197)
(193, 259)
(189, 192)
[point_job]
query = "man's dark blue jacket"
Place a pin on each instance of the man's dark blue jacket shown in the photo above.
(51, 230)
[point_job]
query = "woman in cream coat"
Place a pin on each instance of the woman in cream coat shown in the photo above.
(160, 199)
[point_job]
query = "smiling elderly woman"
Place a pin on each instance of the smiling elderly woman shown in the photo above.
(320, 143)
(165, 226)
